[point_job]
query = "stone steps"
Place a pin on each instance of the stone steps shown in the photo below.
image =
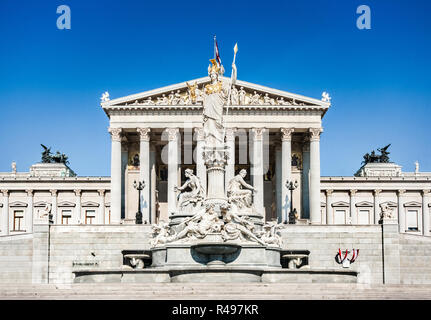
(186, 291)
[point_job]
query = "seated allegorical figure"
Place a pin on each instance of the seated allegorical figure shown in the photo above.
(195, 193)
(239, 192)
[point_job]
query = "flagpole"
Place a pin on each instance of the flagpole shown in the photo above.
(214, 46)
(235, 49)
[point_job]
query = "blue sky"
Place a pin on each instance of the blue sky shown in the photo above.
(51, 80)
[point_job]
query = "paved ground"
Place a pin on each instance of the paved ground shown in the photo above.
(215, 291)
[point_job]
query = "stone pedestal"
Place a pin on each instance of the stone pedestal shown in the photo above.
(40, 263)
(390, 251)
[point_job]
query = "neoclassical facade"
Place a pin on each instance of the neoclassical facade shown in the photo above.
(156, 135)
(265, 129)
(54, 223)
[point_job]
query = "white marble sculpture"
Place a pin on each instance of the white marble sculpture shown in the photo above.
(191, 192)
(239, 192)
(386, 211)
(161, 234)
(326, 97)
(105, 96)
(234, 96)
(46, 212)
(200, 225)
(241, 95)
(238, 228)
(270, 234)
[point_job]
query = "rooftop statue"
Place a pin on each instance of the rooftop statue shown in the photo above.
(47, 156)
(373, 158)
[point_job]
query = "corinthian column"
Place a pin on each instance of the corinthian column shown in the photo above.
(115, 175)
(201, 170)
(144, 172)
(258, 169)
(286, 170)
(315, 216)
(172, 169)
(230, 143)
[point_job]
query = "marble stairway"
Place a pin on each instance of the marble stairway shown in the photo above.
(203, 291)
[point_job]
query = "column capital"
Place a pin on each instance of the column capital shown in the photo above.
(29, 192)
(286, 134)
(230, 134)
(353, 192)
(377, 192)
(315, 133)
(101, 192)
(426, 192)
(172, 133)
(115, 134)
(5, 192)
(53, 192)
(144, 133)
(77, 192)
(401, 192)
(258, 133)
(329, 192)
(200, 135)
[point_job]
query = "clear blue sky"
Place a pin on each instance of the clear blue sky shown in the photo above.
(51, 80)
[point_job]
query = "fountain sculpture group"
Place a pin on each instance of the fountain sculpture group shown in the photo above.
(217, 228)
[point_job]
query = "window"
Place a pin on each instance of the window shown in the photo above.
(364, 216)
(65, 216)
(89, 216)
(18, 220)
(340, 216)
(412, 220)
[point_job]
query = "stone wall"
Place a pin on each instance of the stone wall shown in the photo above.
(16, 254)
(83, 247)
(415, 259)
(323, 243)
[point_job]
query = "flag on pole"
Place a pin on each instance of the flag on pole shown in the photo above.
(217, 55)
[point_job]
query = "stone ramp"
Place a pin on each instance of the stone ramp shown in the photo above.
(213, 291)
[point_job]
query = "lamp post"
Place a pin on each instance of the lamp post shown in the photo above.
(139, 186)
(291, 186)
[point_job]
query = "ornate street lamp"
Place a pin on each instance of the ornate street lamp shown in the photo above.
(292, 214)
(139, 186)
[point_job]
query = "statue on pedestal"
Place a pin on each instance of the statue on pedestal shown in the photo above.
(243, 198)
(216, 95)
(190, 199)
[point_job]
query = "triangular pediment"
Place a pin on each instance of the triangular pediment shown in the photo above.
(340, 204)
(66, 204)
(18, 204)
(90, 204)
(412, 204)
(364, 204)
(247, 94)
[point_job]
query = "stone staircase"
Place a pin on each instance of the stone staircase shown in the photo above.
(213, 291)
